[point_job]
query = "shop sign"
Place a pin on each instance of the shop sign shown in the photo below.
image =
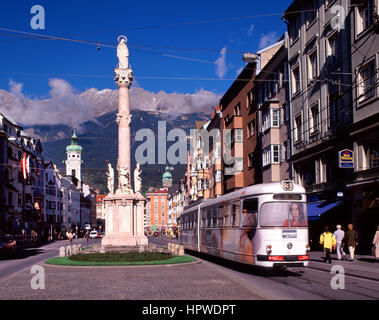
(346, 159)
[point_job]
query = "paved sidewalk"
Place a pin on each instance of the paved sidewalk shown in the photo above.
(363, 266)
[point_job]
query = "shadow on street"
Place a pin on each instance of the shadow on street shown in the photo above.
(245, 268)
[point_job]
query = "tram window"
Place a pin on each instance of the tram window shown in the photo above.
(220, 215)
(236, 207)
(214, 217)
(283, 214)
(250, 205)
(250, 209)
(209, 218)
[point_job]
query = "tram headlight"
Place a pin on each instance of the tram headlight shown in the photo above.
(268, 249)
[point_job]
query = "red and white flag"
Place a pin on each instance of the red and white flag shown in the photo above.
(25, 166)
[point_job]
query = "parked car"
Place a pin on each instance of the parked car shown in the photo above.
(156, 234)
(7, 245)
(100, 234)
(93, 234)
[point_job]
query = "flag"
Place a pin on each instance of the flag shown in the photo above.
(25, 166)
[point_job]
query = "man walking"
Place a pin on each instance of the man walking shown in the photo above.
(351, 240)
(339, 235)
(328, 241)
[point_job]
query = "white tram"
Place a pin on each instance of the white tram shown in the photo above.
(264, 225)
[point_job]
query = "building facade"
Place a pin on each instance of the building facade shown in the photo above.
(364, 187)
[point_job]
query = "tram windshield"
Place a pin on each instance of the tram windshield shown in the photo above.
(283, 214)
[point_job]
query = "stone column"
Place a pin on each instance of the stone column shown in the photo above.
(124, 215)
(124, 78)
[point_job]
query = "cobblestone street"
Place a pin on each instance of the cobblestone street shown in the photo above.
(190, 281)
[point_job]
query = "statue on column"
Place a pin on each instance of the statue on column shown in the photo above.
(122, 53)
(137, 179)
(110, 176)
(124, 179)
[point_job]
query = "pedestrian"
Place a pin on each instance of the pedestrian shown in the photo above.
(69, 236)
(376, 243)
(351, 240)
(328, 241)
(339, 235)
(34, 238)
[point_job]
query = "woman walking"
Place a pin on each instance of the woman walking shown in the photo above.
(328, 240)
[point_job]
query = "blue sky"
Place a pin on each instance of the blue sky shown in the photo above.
(33, 62)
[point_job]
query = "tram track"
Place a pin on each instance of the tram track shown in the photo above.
(347, 284)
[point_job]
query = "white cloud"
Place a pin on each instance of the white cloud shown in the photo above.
(66, 106)
(221, 64)
(267, 39)
(251, 30)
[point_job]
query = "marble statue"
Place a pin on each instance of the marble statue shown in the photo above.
(137, 178)
(110, 175)
(122, 53)
(124, 179)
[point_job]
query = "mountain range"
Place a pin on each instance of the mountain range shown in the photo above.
(93, 113)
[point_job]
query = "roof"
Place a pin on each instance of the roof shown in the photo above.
(163, 191)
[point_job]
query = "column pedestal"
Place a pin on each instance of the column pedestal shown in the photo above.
(124, 221)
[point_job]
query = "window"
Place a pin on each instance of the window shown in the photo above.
(237, 109)
(364, 16)
(283, 214)
(312, 65)
(298, 129)
(218, 176)
(251, 160)
(266, 156)
(250, 210)
(275, 113)
(250, 98)
(294, 28)
(236, 207)
(285, 113)
(311, 13)
(199, 185)
(366, 81)
(314, 119)
(260, 95)
(332, 49)
(19, 200)
(275, 153)
(209, 218)
(334, 109)
(214, 217)
(374, 155)
(239, 165)
(266, 121)
(295, 79)
(206, 184)
(251, 128)
(238, 135)
(286, 150)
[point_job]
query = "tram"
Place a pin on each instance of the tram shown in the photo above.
(263, 225)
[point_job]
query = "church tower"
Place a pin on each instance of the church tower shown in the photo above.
(167, 178)
(74, 155)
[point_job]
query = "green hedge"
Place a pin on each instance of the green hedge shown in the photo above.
(68, 261)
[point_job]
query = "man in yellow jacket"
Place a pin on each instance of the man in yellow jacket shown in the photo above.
(329, 241)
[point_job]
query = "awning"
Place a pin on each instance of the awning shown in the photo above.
(315, 210)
